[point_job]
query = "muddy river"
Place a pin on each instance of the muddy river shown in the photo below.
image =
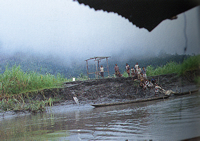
(176, 118)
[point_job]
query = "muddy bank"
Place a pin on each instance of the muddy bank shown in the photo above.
(108, 90)
(114, 89)
(122, 89)
(111, 89)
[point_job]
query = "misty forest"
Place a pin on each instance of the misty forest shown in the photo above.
(77, 68)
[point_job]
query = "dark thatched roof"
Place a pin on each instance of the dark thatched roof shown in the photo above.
(143, 13)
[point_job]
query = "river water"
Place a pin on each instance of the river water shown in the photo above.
(176, 118)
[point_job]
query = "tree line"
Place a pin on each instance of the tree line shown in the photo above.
(48, 65)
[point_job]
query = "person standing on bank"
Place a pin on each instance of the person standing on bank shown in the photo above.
(128, 69)
(139, 72)
(132, 72)
(144, 73)
(117, 73)
(102, 71)
(136, 69)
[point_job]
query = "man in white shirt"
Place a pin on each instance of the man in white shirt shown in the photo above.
(102, 71)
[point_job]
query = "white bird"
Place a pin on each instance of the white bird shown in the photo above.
(76, 100)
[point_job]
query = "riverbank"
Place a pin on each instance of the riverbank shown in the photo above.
(32, 91)
(98, 91)
(123, 89)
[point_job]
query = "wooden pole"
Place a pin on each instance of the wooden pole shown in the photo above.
(87, 68)
(96, 76)
(98, 69)
(107, 67)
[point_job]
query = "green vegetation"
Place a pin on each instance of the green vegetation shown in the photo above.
(171, 67)
(190, 64)
(82, 77)
(73, 68)
(125, 74)
(15, 83)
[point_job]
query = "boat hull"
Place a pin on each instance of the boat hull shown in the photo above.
(129, 102)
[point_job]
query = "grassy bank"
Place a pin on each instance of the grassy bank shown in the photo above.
(190, 64)
(15, 81)
(15, 84)
(17, 89)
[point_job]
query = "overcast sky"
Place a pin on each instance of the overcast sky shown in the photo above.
(67, 29)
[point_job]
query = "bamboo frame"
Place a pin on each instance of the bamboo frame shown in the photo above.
(97, 60)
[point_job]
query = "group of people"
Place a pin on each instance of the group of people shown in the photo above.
(151, 83)
(136, 71)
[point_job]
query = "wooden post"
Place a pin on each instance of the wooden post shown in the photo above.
(97, 60)
(87, 68)
(96, 76)
(98, 69)
(107, 67)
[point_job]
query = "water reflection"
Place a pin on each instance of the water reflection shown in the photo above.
(172, 119)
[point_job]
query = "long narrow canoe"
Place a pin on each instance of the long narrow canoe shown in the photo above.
(188, 92)
(129, 102)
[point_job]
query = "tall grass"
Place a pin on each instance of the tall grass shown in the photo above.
(15, 81)
(171, 67)
(189, 64)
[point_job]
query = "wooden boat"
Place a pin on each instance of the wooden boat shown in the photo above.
(129, 102)
(187, 92)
